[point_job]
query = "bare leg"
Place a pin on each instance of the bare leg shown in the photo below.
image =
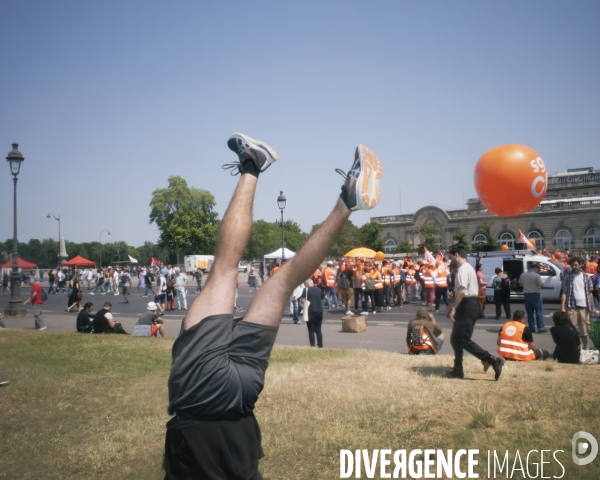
(269, 303)
(218, 294)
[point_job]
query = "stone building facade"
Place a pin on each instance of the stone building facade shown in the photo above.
(569, 216)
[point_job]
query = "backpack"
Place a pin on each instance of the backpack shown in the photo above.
(505, 283)
(124, 279)
(416, 337)
(369, 284)
(170, 283)
(344, 281)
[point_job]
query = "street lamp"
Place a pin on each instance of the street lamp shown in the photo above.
(50, 215)
(281, 205)
(15, 307)
(105, 230)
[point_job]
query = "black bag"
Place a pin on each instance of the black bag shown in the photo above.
(505, 284)
(344, 281)
(44, 295)
(416, 337)
(124, 279)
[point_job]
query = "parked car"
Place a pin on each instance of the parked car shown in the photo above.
(242, 267)
(514, 263)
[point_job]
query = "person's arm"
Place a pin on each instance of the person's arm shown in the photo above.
(452, 308)
(588, 280)
(31, 297)
(498, 340)
(111, 321)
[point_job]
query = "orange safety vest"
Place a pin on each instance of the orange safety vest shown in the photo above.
(410, 276)
(591, 268)
(316, 278)
(273, 270)
(442, 277)
(385, 273)
(427, 345)
(329, 275)
(397, 277)
(512, 344)
(427, 278)
(378, 283)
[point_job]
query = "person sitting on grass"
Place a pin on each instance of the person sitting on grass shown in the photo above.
(515, 341)
(566, 338)
(84, 322)
(104, 322)
(423, 336)
(150, 317)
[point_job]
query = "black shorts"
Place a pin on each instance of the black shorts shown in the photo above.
(218, 371)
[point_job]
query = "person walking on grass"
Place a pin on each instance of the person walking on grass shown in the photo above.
(577, 299)
(219, 362)
(464, 312)
(36, 301)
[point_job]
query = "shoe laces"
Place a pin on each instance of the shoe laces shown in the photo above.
(236, 168)
(342, 173)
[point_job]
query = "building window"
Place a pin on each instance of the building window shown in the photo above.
(539, 239)
(507, 239)
(591, 239)
(563, 239)
(389, 246)
(480, 238)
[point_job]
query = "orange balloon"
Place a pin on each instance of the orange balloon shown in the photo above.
(532, 240)
(379, 256)
(510, 180)
(504, 248)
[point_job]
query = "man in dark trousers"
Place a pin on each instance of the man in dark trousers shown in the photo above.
(219, 362)
(314, 295)
(464, 312)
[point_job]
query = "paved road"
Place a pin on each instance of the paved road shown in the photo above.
(385, 331)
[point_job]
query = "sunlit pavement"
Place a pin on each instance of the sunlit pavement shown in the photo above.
(385, 330)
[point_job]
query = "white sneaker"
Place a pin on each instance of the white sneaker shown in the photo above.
(43, 328)
(364, 313)
(91, 293)
(349, 312)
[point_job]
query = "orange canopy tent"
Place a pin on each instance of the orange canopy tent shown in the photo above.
(78, 261)
(22, 264)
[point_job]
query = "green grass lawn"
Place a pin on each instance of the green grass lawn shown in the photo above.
(82, 406)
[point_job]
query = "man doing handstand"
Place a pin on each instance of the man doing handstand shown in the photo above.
(219, 362)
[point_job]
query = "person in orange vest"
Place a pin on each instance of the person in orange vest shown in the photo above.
(426, 273)
(398, 283)
(329, 281)
(515, 341)
(377, 277)
(411, 283)
(440, 279)
(591, 266)
(386, 275)
(423, 336)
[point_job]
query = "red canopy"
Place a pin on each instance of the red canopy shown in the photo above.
(22, 264)
(78, 261)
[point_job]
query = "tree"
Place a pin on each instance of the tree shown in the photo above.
(185, 217)
(370, 236)
(404, 246)
(460, 238)
(431, 238)
(485, 227)
(265, 237)
(348, 239)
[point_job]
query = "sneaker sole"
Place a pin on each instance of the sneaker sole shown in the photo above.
(368, 181)
(272, 155)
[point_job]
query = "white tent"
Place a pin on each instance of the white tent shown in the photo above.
(277, 253)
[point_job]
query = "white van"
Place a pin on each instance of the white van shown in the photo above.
(514, 263)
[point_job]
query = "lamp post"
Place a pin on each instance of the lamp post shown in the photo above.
(281, 205)
(15, 307)
(105, 230)
(50, 215)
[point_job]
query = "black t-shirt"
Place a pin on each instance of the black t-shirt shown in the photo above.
(84, 322)
(315, 295)
(51, 278)
(149, 278)
(101, 321)
(567, 343)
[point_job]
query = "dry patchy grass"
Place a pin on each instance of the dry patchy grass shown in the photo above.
(95, 407)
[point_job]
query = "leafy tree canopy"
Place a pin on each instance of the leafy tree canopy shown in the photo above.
(185, 217)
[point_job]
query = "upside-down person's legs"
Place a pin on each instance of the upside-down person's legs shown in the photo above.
(269, 303)
(218, 294)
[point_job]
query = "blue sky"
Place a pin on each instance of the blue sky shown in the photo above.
(108, 99)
